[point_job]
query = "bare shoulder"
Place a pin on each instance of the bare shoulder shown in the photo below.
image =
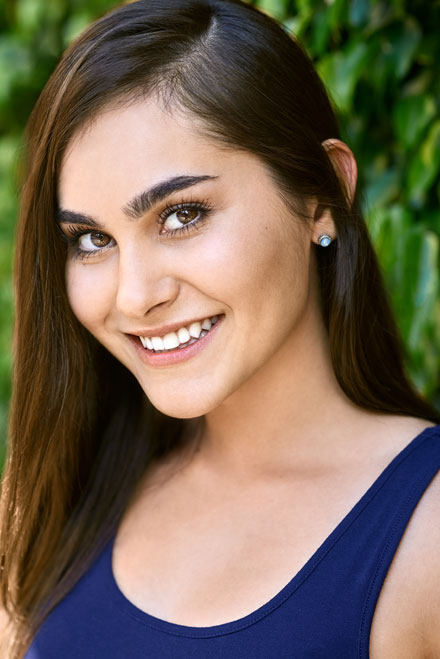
(400, 430)
(425, 554)
(406, 622)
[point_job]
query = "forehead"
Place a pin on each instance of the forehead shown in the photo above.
(125, 149)
(121, 140)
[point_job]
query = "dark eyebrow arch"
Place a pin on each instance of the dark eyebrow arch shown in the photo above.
(141, 203)
(70, 217)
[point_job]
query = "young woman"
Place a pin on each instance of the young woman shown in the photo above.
(215, 450)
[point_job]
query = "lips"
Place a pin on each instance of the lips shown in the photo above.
(179, 354)
(183, 336)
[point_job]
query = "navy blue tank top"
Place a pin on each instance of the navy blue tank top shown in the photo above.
(324, 612)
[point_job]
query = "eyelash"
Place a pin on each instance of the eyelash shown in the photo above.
(72, 233)
(203, 206)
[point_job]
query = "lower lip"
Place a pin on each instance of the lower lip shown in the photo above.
(177, 355)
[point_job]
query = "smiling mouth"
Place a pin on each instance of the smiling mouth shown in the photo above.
(184, 337)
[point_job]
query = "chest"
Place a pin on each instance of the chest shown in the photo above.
(208, 561)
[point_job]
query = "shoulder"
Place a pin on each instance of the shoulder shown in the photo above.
(412, 586)
(406, 623)
(424, 544)
(419, 549)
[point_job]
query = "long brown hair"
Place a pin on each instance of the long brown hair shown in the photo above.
(82, 432)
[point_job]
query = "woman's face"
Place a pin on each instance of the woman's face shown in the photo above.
(167, 228)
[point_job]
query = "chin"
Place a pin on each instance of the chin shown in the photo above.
(181, 407)
(177, 412)
(180, 411)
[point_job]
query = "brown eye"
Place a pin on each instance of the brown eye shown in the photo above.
(99, 239)
(187, 214)
(93, 241)
(181, 218)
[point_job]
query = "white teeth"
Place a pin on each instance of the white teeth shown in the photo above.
(183, 335)
(170, 340)
(195, 329)
(157, 342)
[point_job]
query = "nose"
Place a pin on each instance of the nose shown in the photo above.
(144, 282)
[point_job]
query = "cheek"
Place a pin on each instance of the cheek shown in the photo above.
(259, 266)
(89, 294)
(255, 267)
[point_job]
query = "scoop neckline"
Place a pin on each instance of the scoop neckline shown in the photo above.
(145, 618)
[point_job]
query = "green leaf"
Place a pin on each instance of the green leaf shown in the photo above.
(404, 46)
(411, 116)
(75, 25)
(319, 34)
(338, 13)
(275, 8)
(425, 165)
(341, 70)
(296, 25)
(399, 44)
(409, 256)
(15, 65)
(431, 218)
(29, 14)
(425, 283)
(423, 338)
(382, 187)
(359, 12)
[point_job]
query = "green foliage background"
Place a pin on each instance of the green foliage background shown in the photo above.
(380, 62)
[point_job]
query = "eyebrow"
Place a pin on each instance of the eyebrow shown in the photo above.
(141, 203)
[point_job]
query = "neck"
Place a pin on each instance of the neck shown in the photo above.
(288, 413)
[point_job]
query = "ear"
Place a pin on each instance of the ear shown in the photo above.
(344, 164)
(323, 224)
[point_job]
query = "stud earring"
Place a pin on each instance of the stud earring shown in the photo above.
(324, 240)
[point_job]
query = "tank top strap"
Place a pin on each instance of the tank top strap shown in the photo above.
(388, 515)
